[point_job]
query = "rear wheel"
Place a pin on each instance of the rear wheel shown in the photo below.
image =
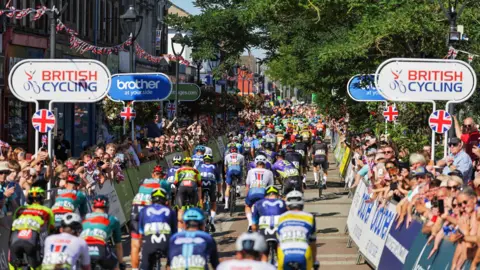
(320, 183)
(233, 195)
(272, 253)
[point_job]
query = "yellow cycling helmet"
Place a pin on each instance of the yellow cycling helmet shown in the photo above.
(187, 160)
(272, 189)
(36, 193)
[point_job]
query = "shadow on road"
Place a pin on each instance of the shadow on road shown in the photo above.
(326, 214)
(219, 234)
(328, 230)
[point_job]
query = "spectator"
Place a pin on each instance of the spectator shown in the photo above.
(458, 159)
(62, 146)
(416, 161)
(469, 135)
(154, 129)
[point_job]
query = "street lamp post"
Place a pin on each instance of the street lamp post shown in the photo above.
(129, 25)
(177, 39)
(198, 64)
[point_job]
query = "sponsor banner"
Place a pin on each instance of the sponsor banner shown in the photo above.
(186, 92)
(60, 80)
(345, 161)
(115, 208)
(425, 80)
(140, 87)
(221, 145)
(350, 176)
(362, 88)
(398, 244)
(368, 224)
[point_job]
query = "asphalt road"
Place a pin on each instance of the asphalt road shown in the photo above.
(331, 216)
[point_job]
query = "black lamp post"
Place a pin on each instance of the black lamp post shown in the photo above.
(177, 39)
(198, 64)
(129, 25)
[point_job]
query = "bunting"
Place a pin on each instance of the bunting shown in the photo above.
(13, 13)
(452, 53)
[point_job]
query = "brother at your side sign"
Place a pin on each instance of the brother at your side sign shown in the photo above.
(424, 80)
(61, 80)
(140, 87)
(362, 88)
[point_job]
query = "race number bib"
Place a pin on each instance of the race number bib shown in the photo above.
(297, 164)
(320, 152)
(208, 176)
(301, 152)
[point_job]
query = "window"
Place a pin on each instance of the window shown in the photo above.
(102, 20)
(115, 24)
(74, 11)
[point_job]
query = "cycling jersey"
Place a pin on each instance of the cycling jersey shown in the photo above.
(245, 265)
(197, 160)
(34, 217)
(209, 173)
(143, 196)
(270, 155)
(301, 148)
(296, 231)
(65, 251)
(188, 180)
(99, 227)
(257, 143)
(266, 213)
(320, 149)
(192, 250)
(187, 176)
(284, 169)
(257, 181)
(69, 201)
(239, 147)
(294, 158)
(171, 173)
(252, 165)
(270, 138)
(247, 143)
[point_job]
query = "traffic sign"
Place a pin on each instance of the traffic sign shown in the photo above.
(440, 121)
(43, 120)
(390, 113)
(128, 114)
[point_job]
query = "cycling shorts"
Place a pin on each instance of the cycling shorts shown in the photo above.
(291, 183)
(211, 190)
(103, 256)
(251, 199)
(302, 260)
(321, 161)
(134, 215)
(152, 244)
(185, 194)
(25, 242)
(233, 172)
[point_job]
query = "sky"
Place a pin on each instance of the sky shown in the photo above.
(188, 6)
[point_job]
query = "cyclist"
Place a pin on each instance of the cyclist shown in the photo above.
(319, 157)
(285, 141)
(193, 248)
(142, 199)
(270, 137)
(247, 145)
(189, 186)
(234, 163)
(66, 250)
(30, 222)
(301, 147)
(236, 143)
(257, 180)
(157, 223)
(288, 173)
(297, 235)
(269, 153)
(266, 212)
(257, 143)
(251, 250)
(294, 157)
(211, 181)
(204, 142)
(98, 227)
(177, 163)
(69, 199)
(198, 157)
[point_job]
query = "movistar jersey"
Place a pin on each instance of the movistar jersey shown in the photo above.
(157, 219)
(209, 173)
(33, 217)
(171, 173)
(143, 197)
(284, 169)
(192, 250)
(68, 201)
(99, 227)
(197, 160)
(267, 211)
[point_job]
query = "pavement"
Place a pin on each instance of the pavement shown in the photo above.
(330, 215)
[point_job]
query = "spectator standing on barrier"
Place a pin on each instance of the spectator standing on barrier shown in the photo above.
(458, 160)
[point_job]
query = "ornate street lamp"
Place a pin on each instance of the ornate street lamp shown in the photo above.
(177, 39)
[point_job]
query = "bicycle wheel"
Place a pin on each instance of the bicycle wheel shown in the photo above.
(320, 183)
(272, 253)
(233, 196)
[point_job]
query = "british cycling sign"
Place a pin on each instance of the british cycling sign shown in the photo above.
(425, 80)
(59, 80)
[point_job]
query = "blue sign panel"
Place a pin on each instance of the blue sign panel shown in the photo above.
(140, 87)
(362, 88)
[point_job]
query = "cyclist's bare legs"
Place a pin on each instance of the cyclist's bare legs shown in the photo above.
(227, 194)
(180, 220)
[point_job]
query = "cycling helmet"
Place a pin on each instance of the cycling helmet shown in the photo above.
(272, 189)
(73, 178)
(36, 194)
(73, 221)
(100, 201)
(208, 158)
(294, 198)
(159, 195)
(177, 160)
(187, 161)
(200, 148)
(318, 138)
(260, 159)
(269, 146)
(298, 137)
(233, 149)
(194, 214)
(289, 146)
(251, 242)
(158, 169)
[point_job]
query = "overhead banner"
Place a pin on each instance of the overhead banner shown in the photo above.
(186, 92)
(59, 80)
(368, 224)
(140, 87)
(362, 88)
(425, 80)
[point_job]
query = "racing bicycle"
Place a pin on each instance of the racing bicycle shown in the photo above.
(233, 194)
(159, 255)
(206, 208)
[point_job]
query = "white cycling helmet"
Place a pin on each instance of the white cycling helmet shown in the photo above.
(177, 159)
(72, 220)
(251, 242)
(294, 198)
(260, 159)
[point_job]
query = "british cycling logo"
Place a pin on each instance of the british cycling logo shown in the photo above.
(427, 81)
(397, 83)
(61, 81)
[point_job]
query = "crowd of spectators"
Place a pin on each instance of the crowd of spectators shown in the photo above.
(444, 194)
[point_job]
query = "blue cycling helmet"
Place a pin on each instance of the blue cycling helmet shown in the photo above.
(200, 148)
(194, 214)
